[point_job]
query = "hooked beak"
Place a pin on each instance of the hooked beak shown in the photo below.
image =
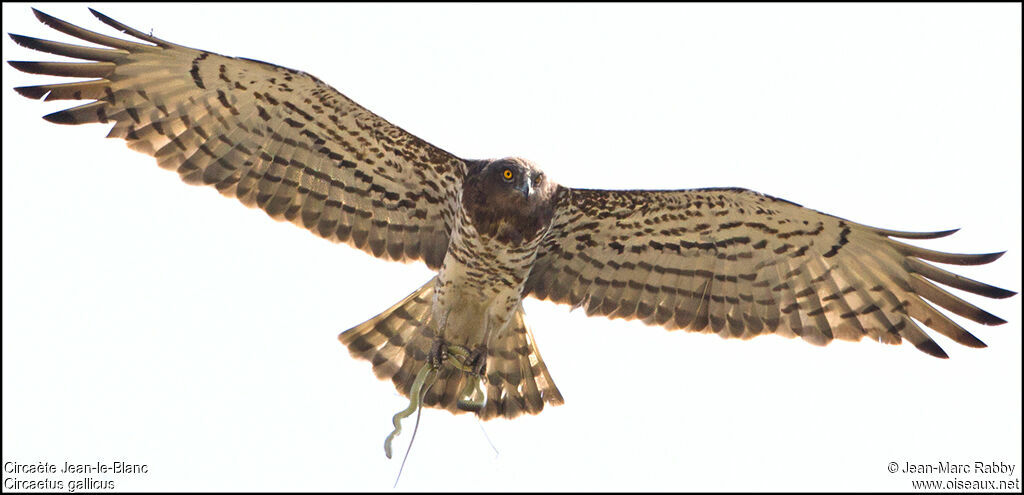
(525, 188)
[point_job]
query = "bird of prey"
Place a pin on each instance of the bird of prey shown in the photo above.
(727, 261)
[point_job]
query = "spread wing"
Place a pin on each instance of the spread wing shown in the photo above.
(272, 137)
(741, 264)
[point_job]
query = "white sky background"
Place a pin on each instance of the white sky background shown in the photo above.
(153, 322)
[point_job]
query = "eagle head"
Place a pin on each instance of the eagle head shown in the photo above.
(509, 199)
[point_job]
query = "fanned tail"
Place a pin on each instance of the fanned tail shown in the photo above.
(397, 343)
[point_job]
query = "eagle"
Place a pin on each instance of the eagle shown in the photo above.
(727, 261)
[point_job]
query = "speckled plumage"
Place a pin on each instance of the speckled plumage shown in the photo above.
(728, 261)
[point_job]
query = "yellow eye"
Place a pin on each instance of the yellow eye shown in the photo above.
(507, 174)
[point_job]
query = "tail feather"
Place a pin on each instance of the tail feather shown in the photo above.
(517, 379)
(397, 342)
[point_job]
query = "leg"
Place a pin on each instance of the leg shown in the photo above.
(473, 397)
(439, 347)
(477, 360)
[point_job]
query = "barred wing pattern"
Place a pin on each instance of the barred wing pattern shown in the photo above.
(740, 264)
(272, 137)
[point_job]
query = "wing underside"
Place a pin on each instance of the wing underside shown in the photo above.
(741, 264)
(275, 138)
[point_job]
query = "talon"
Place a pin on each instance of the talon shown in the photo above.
(477, 361)
(473, 396)
(438, 353)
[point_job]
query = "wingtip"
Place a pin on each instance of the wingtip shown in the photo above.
(21, 39)
(49, 20)
(932, 235)
(984, 258)
(968, 339)
(26, 66)
(32, 92)
(999, 293)
(43, 16)
(993, 320)
(995, 256)
(930, 348)
(61, 117)
(917, 235)
(19, 64)
(99, 15)
(106, 19)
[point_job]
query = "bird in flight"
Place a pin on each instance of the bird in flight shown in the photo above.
(727, 261)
